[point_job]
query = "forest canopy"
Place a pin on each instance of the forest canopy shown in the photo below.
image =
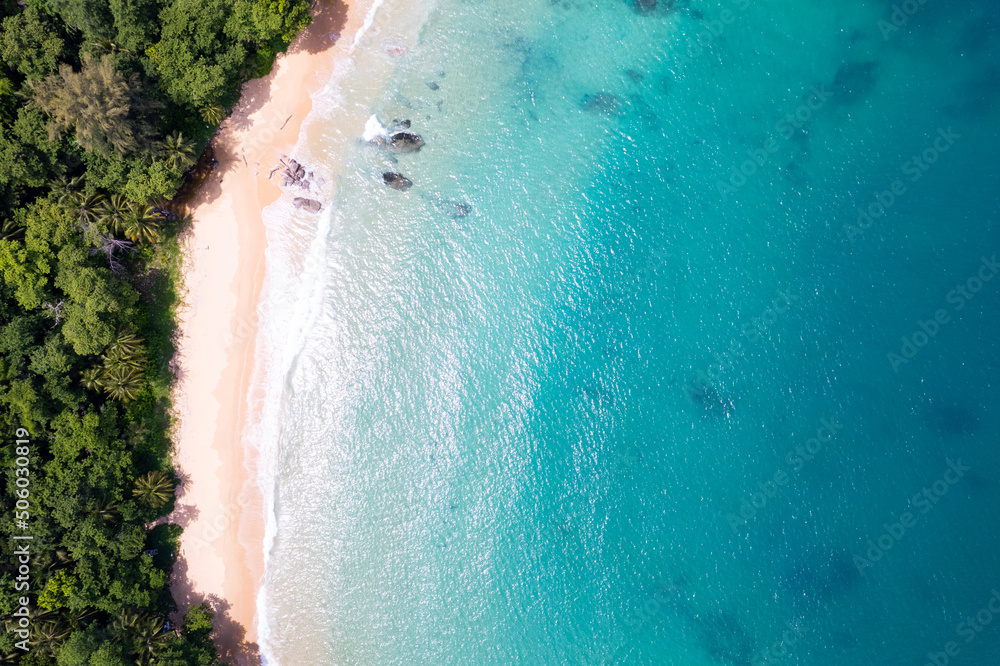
(105, 106)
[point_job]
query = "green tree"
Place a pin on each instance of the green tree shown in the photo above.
(154, 489)
(142, 224)
(30, 43)
(212, 114)
(122, 382)
(177, 150)
(102, 107)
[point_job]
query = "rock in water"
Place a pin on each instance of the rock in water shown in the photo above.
(645, 5)
(396, 181)
(310, 205)
(405, 142)
(455, 209)
(603, 102)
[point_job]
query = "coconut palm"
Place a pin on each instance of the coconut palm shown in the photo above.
(88, 207)
(103, 45)
(106, 512)
(126, 350)
(213, 114)
(122, 382)
(177, 150)
(142, 224)
(92, 378)
(11, 230)
(115, 212)
(47, 635)
(149, 638)
(65, 188)
(154, 489)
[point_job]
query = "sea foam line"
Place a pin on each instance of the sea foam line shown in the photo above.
(369, 19)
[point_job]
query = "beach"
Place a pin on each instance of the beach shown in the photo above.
(219, 502)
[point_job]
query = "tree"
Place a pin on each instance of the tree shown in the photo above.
(28, 157)
(114, 213)
(122, 382)
(89, 208)
(30, 43)
(101, 106)
(154, 489)
(212, 114)
(142, 224)
(177, 150)
(11, 230)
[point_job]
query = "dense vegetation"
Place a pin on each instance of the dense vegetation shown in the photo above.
(104, 106)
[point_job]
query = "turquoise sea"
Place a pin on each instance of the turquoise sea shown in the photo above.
(682, 348)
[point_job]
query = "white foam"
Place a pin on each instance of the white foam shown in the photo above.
(374, 129)
(369, 19)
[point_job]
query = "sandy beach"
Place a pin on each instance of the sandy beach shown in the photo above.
(219, 503)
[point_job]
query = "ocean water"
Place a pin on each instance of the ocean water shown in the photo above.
(628, 376)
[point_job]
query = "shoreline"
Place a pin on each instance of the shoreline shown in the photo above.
(219, 500)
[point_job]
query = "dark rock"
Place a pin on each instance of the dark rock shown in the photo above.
(398, 124)
(645, 5)
(603, 102)
(396, 181)
(432, 85)
(854, 80)
(634, 75)
(405, 142)
(455, 209)
(710, 399)
(310, 205)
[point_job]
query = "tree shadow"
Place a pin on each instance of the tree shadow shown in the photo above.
(329, 19)
(228, 634)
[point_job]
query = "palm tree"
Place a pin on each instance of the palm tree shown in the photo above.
(103, 45)
(11, 230)
(47, 635)
(89, 206)
(126, 350)
(213, 114)
(149, 638)
(126, 623)
(153, 488)
(115, 212)
(65, 189)
(106, 512)
(177, 150)
(92, 378)
(142, 224)
(121, 382)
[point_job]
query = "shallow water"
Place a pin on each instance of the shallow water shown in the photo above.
(526, 434)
